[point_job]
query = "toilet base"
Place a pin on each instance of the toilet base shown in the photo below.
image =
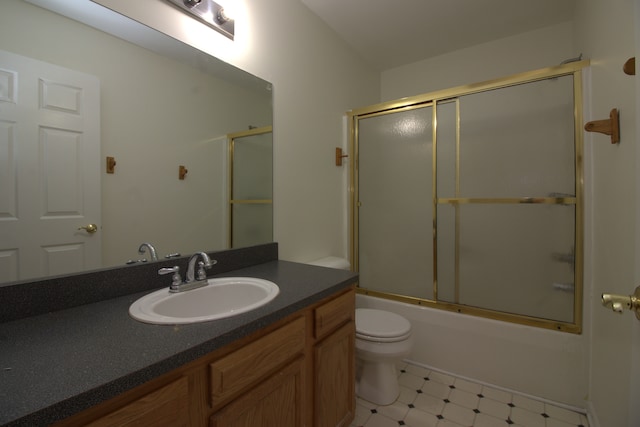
(378, 382)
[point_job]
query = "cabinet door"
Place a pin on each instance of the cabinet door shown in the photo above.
(276, 402)
(334, 378)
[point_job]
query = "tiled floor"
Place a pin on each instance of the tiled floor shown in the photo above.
(432, 399)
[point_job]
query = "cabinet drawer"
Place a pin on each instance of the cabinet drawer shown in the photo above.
(276, 401)
(235, 372)
(168, 406)
(334, 313)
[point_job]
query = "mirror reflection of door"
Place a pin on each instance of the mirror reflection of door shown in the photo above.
(49, 169)
(250, 187)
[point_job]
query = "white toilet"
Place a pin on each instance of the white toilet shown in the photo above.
(382, 339)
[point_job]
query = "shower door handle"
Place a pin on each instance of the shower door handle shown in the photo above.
(618, 303)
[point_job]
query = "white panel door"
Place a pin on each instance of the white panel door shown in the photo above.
(49, 169)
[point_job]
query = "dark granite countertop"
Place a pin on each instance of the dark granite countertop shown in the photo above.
(56, 364)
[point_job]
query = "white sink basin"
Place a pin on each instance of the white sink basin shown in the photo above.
(222, 297)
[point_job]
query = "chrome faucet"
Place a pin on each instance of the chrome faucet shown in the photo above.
(195, 279)
(152, 250)
(200, 275)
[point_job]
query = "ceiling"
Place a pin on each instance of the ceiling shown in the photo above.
(390, 33)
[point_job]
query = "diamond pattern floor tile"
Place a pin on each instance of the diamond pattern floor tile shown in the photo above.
(433, 399)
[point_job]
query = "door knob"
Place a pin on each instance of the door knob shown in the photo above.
(619, 302)
(91, 228)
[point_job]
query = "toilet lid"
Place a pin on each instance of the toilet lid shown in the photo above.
(379, 325)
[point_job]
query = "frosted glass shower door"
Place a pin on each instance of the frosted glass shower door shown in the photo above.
(471, 199)
(395, 204)
(510, 207)
(251, 189)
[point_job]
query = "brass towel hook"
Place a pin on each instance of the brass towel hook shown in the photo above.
(629, 67)
(608, 127)
(111, 164)
(339, 156)
(182, 172)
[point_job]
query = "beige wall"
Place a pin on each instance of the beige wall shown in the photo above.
(524, 52)
(605, 33)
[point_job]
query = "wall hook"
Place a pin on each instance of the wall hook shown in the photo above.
(608, 127)
(339, 156)
(629, 67)
(111, 164)
(182, 172)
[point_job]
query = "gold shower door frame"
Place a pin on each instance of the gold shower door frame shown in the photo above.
(232, 139)
(451, 95)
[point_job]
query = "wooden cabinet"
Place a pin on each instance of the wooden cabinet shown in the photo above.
(237, 371)
(299, 371)
(334, 360)
(334, 375)
(334, 313)
(167, 406)
(276, 401)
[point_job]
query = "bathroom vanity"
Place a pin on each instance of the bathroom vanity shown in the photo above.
(290, 361)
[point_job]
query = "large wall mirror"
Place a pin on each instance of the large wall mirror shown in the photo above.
(129, 132)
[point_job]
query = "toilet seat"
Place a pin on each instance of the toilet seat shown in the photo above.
(381, 326)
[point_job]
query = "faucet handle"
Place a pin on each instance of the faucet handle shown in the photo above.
(201, 274)
(176, 278)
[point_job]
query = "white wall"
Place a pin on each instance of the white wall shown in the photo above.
(528, 51)
(605, 33)
(316, 80)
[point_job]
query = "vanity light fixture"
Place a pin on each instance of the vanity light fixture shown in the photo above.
(210, 13)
